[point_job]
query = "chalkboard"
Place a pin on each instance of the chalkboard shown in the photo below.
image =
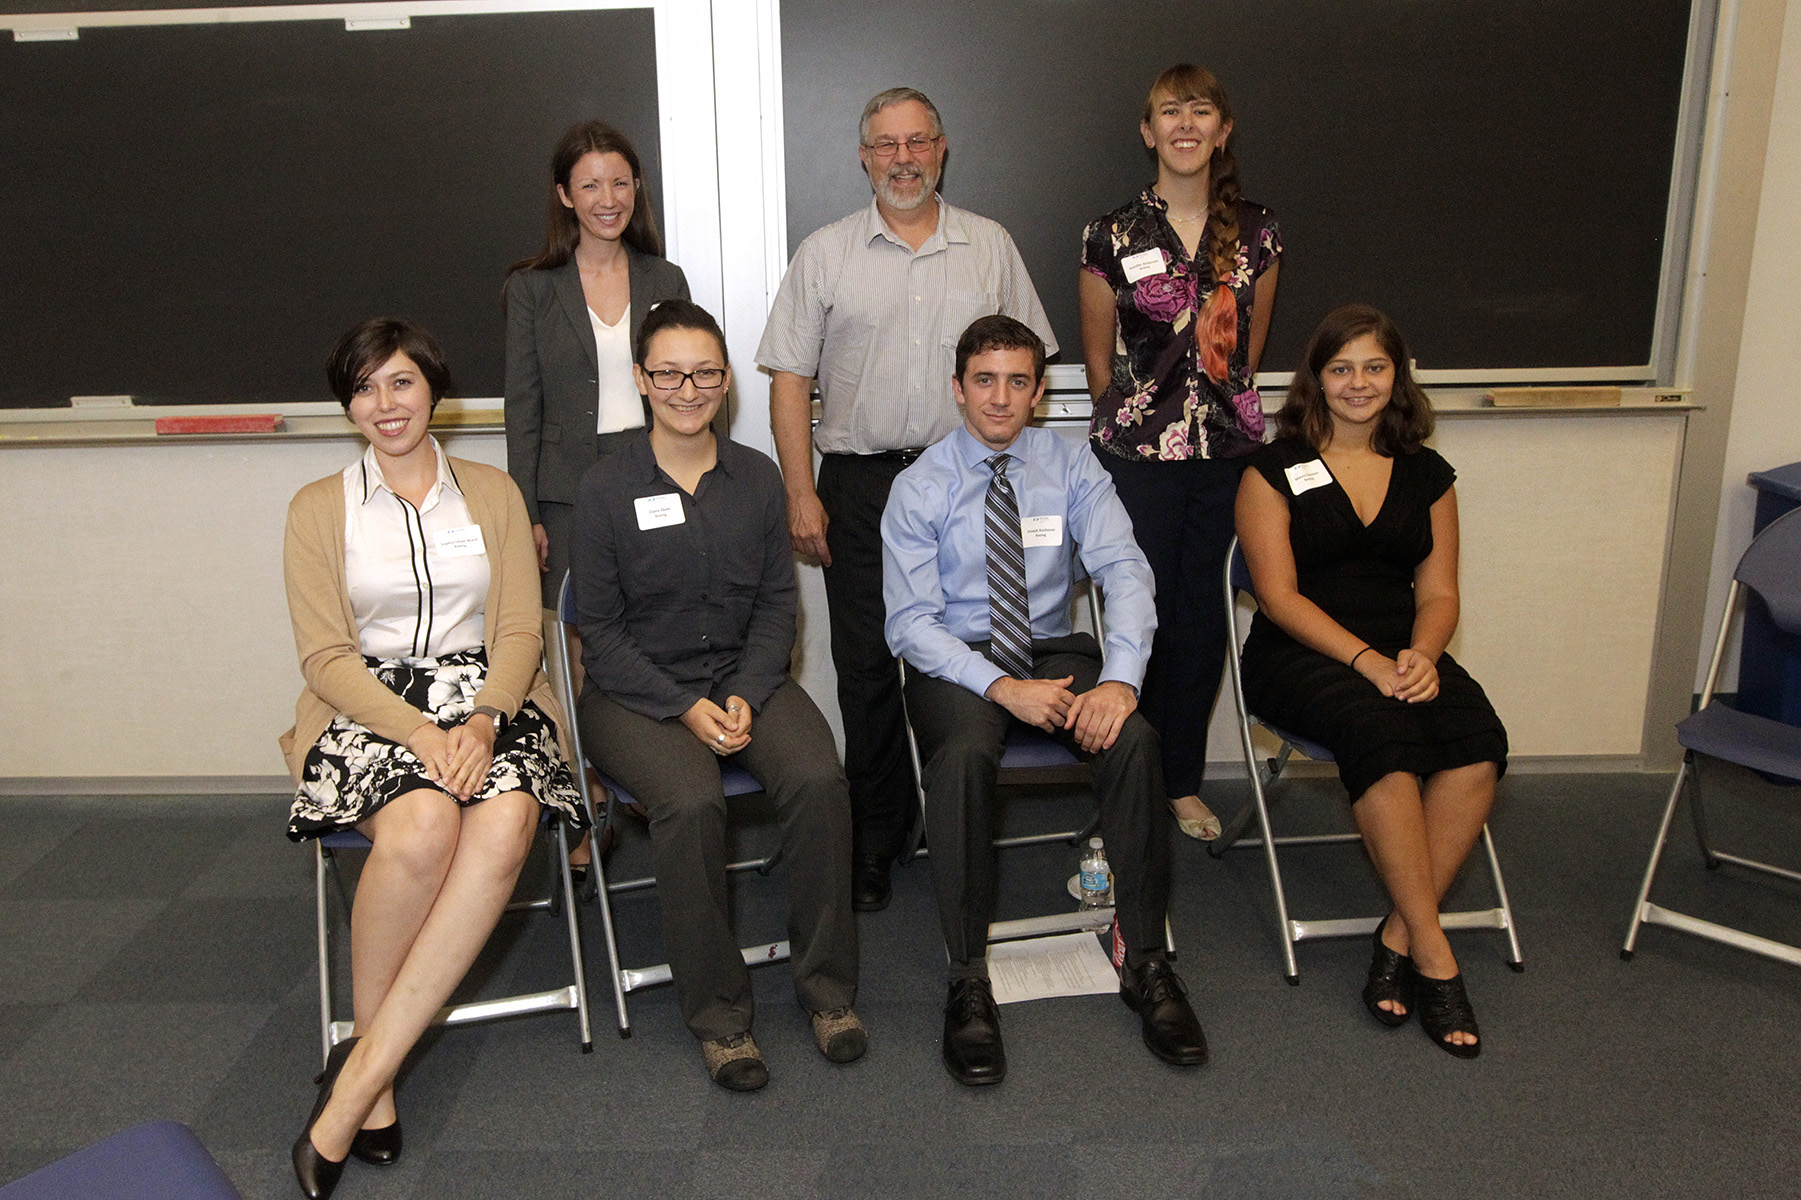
(1494, 173)
(193, 213)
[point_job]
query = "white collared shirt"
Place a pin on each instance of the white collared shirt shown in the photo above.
(418, 577)
(877, 323)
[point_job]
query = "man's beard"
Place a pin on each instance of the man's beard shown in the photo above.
(884, 187)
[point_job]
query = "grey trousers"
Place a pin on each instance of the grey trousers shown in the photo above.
(792, 755)
(961, 737)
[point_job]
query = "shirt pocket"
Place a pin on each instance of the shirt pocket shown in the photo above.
(963, 308)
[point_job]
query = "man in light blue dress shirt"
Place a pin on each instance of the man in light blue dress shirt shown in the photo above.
(936, 587)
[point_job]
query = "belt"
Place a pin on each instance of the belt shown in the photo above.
(903, 457)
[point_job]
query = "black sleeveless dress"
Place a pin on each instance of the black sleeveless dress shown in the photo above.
(1362, 577)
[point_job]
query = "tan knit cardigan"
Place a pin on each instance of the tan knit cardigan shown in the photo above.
(331, 659)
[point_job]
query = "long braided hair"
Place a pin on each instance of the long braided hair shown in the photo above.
(1217, 325)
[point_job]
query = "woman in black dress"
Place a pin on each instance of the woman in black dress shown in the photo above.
(1349, 527)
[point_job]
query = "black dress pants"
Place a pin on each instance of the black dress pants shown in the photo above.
(1182, 519)
(961, 737)
(676, 778)
(854, 489)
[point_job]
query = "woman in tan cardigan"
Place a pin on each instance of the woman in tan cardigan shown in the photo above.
(426, 722)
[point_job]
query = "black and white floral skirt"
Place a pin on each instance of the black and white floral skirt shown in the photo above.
(351, 772)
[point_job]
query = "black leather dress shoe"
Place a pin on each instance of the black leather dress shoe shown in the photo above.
(973, 1052)
(377, 1147)
(869, 885)
(317, 1174)
(1154, 991)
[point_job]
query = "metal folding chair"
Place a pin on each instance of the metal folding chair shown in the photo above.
(1771, 569)
(735, 780)
(1028, 749)
(1264, 773)
(560, 902)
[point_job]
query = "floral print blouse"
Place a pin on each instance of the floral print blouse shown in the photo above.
(1162, 402)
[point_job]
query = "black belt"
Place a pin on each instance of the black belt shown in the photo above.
(903, 457)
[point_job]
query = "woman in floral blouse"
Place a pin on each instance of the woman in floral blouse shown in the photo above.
(1176, 289)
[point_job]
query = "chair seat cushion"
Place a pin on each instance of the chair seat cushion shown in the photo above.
(1312, 750)
(1030, 748)
(160, 1160)
(1744, 738)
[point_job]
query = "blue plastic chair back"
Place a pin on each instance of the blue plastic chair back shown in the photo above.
(1771, 566)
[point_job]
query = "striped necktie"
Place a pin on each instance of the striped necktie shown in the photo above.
(1009, 614)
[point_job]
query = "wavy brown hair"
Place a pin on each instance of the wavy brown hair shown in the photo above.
(1401, 428)
(1217, 331)
(561, 232)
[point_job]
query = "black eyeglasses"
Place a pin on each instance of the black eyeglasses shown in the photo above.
(888, 147)
(669, 381)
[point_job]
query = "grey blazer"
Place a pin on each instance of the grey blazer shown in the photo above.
(552, 383)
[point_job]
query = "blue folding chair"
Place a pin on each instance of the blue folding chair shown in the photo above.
(735, 780)
(560, 902)
(1771, 569)
(1264, 773)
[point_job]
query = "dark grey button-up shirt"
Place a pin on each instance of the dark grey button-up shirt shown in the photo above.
(672, 611)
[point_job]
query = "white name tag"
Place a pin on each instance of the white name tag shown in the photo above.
(1041, 531)
(1304, 477)
(462, 542)
(1137, 266)
(654, 512)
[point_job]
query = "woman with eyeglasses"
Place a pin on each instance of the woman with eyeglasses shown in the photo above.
(685, 600)
(573, 312)
(1176, 290)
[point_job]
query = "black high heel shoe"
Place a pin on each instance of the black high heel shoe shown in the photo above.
(378, 1147)
(1445, 1009)
(317, 1174)
(1390, 979)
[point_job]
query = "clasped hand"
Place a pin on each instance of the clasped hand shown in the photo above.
(722, 730)
(1095, 716)
(1409, 675)
(456, 759)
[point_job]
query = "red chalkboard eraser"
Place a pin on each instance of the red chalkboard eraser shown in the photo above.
(246, 423)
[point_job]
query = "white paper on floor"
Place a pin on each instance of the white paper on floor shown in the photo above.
(1070, 964)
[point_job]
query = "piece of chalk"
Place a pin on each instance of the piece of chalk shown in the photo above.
(245, 423)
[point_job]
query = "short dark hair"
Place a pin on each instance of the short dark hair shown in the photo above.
(999, 332)
(360, 352)
(677, 314)
(1403, 426)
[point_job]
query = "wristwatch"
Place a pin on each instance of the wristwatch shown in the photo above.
(493, 714)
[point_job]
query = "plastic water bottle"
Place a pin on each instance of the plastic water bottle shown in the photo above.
(1097, 877)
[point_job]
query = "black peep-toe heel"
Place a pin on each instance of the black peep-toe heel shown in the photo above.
(1391, 977)
(1445, 1009)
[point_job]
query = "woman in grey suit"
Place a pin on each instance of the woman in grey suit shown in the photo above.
(573, 314)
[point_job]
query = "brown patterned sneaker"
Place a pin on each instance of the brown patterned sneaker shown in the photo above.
(734, 1063)
(840, 1035)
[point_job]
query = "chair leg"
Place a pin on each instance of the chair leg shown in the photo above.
(1515, 959)
(321, 857)
(598, 880)
(1663, 833)
(563, 900)
(1291, 970)
(1695, 812)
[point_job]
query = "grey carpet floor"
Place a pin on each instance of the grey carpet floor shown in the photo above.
(157, 961)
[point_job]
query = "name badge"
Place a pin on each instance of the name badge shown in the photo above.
(654, 512)
(1149, 262)
(1304, 477)
(462, 542)
(1041, 531)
